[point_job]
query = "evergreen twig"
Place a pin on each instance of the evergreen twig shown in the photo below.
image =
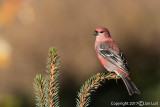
(46, 88)
(52, 85)
(91, 85)
(39, 90)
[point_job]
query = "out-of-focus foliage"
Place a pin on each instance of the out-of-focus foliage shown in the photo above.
(10, 10)
(9, 101)
(5, 53)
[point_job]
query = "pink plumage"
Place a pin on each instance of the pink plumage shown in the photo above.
(112, 58)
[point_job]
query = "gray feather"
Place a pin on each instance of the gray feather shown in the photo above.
(107, 52)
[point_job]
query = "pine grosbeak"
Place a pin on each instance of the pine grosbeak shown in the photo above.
(112, 58)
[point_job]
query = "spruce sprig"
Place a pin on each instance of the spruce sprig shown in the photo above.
(39, 83)
(90, 86)
(46, 87)
(52, 85)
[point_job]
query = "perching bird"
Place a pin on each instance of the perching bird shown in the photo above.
(112, 58)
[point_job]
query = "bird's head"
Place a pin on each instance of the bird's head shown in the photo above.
(101, 33)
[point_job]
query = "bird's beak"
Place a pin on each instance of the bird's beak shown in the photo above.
(95, 33)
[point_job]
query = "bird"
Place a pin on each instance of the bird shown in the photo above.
(112, 58)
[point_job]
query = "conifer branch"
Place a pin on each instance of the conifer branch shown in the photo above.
(52, 85)
(90, 86)
(39, 90)
(46, 88)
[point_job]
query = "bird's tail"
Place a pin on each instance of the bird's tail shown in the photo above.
(130, 86)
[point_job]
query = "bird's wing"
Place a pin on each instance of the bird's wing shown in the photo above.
(107, 52)
(124, 60)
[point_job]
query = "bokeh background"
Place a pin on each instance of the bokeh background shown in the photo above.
(29, 27)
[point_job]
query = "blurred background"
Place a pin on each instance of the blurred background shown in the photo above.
(29, 27)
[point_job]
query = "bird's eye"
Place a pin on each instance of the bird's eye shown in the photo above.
(101, 32)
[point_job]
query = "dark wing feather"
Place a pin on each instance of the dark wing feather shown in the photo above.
(111, 55)
(124, 60)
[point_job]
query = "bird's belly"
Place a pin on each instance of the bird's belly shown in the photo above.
(109, 66)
